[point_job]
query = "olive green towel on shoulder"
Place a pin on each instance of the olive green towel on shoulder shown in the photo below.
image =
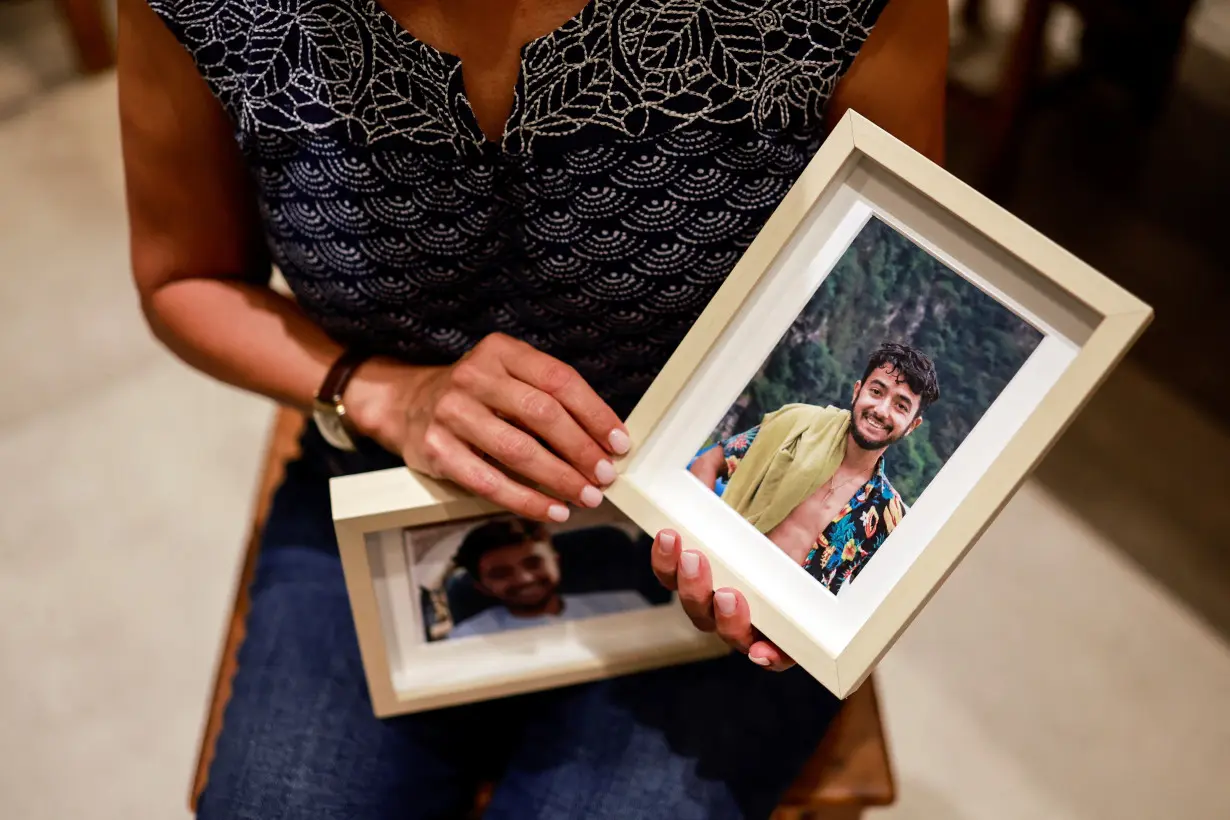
(796, 450)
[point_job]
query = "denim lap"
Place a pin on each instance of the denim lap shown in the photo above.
(718, 739)
(299, 739)
(712, 740)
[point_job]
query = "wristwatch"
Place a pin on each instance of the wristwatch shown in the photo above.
(328, 411)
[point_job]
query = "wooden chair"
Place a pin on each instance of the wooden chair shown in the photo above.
(1136, 41)
(849, 771)
(88, 33)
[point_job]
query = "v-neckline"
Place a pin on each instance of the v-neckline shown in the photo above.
(469, 122)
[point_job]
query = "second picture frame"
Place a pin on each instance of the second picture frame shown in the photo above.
(456, 601)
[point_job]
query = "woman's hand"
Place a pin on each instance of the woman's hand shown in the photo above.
(504, 403)
(724, 611)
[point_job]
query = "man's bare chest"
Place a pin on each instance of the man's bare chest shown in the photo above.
(809, 520)
(800, 530)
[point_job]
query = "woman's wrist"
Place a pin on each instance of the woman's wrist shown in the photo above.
(375, 400)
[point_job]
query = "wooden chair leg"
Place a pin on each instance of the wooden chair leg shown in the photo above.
(1016, 86)
(972, 15)
(281, 446)
(90, 34)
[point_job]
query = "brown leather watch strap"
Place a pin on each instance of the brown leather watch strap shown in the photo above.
(335, 381)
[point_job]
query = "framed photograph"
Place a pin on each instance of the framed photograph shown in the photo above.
(883, 368)
(455, 600)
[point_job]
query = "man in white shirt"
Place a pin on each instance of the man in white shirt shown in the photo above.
(514, 562)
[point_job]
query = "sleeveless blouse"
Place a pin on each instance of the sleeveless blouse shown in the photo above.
(648, 143)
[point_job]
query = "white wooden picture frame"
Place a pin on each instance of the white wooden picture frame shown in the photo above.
(406, 672)
(1087, 324)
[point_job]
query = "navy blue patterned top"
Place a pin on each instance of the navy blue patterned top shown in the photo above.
(648, 143)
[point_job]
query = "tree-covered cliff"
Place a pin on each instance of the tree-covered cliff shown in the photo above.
(886, 288)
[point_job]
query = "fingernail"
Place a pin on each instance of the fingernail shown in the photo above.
(591, 496)
(558, 512)
(604, 471)
(758, 661)
(620, 442)
(666, 543)
(725, 602)
(690, 561)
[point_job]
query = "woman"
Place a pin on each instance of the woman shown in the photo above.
(498, 218)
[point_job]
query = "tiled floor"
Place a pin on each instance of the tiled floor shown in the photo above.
(126, 481)
(1075, 666)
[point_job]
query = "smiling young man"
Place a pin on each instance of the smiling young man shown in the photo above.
(812, 479)
(513, 562)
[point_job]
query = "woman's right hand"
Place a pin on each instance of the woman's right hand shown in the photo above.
(499, 404)
(723, 611)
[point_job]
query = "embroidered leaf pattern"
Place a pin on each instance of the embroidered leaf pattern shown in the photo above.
(648, 142)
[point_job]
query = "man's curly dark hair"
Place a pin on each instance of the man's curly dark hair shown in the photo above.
(910, 364)
(492, 535)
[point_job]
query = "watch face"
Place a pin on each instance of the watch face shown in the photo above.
(332, 429)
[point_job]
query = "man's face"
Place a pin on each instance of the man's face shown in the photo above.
(884, 410)
(521, 575)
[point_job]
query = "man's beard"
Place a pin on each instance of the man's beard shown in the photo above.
(866, 444)
(545, 593)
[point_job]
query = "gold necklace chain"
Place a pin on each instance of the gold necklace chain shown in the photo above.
(829, 494)
(833, 488)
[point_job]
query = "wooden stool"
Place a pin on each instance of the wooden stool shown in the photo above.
(86, 29)
(87, 32)
(1147, 35)
(849, 771)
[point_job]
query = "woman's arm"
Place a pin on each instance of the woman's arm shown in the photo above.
(199, 261)
(900, 76)
(197, 247)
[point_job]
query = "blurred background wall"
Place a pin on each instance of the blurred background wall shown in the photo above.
(1077, 665)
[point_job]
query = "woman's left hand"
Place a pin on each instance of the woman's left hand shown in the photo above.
(724, 611)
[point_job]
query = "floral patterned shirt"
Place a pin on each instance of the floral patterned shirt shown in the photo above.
(850, 540)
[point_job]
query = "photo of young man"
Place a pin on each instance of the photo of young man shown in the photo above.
(813, 478)
(514, 563)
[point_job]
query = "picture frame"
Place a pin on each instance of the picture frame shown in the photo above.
(409, 669)
(861, 179)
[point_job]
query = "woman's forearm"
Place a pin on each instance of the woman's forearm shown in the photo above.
(245, 335)
(256, 339)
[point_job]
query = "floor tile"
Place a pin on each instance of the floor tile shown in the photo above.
(124, 522)
(69, 314)
(1051, 678)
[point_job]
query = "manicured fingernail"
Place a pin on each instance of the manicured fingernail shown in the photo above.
(558, 512)
(725, 602)
(666, 543)
(604, 471)
(690, 561)
(591, 496)
(758, 661)
(620, 442)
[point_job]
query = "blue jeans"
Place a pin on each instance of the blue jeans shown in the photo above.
(716, 739)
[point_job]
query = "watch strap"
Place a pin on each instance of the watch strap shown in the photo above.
(339, 375)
